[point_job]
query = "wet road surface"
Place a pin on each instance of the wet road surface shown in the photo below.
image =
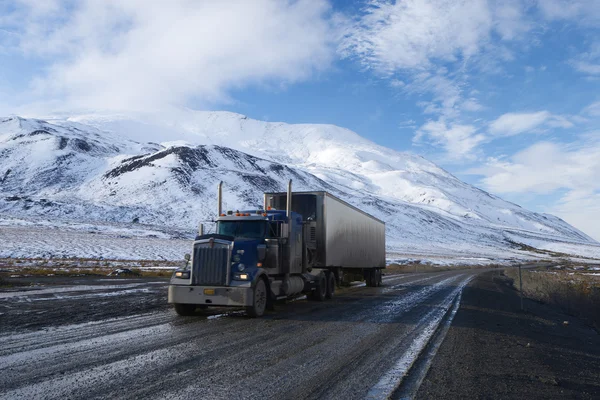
(118, 339)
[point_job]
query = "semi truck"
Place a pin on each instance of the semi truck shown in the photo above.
(297, 243)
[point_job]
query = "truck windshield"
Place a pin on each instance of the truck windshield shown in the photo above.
(244, 229)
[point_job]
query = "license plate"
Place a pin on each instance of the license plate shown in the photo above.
(209, 292)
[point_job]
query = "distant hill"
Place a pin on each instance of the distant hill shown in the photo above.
(151, 169)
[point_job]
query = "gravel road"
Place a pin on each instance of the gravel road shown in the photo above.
(117, 339)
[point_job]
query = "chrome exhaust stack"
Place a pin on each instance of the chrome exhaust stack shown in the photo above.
(285, 267)
(289, 200)
(220, 198)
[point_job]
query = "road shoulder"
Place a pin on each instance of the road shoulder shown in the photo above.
(494, 350)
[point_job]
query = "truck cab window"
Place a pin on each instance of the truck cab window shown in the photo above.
(242, 229)
(274, 229)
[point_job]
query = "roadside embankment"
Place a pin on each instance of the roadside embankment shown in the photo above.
(494, 350)
(421, 268)
(575, 289)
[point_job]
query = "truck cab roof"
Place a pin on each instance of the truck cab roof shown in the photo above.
(271, 215)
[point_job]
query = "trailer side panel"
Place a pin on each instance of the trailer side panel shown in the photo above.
(353, 239)
(346, 236)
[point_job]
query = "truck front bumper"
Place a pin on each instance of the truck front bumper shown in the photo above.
(223, 296)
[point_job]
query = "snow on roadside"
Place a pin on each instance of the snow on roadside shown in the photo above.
(589, 250)
(42, 242)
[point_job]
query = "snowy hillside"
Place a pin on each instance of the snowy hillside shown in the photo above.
(148, 170)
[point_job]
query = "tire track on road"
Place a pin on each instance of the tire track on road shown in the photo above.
(392, 379)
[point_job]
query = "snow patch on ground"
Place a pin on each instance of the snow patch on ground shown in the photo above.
(43, 242)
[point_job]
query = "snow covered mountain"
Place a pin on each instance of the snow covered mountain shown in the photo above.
(153, 170)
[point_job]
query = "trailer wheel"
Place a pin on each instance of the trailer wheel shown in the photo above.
(379, 278)
(259, 302)
(185, 309)
(330, 285)
(320, 291)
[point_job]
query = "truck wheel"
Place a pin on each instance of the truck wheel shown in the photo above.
(369, 278)
(185, 309)
(375, 278)
(321, 290)
(330, 285)
(259, 302)
(379, 278)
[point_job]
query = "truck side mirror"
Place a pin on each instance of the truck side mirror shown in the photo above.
(187, 257)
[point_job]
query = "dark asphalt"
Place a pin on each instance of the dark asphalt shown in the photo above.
(121, 341)
(493, 350)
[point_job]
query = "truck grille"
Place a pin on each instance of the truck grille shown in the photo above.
(210, 265)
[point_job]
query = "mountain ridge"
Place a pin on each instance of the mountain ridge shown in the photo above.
(96, 167)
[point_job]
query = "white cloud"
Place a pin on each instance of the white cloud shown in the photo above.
(581, 209)
(586, 67)
(593, 109)
(558, 121)
(432, 47)
(412, 38)
(459, 141)
(408, 124)
(585, 12)
(446, 93)
(472, 105)
(514, 123)
(545, 168)
(588, 62)
(133, 55)
(511, 124)
(411, 34)
(395, 36)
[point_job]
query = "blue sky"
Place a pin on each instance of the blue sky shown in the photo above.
(503, 94)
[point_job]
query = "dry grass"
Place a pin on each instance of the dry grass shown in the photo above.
(417, 267)
(47, 271)
(83, 266)
(576, 292)
(163, 273)
(85, 263)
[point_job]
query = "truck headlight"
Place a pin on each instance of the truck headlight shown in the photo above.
(182, 274)
(241, 267)
(241, 277)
